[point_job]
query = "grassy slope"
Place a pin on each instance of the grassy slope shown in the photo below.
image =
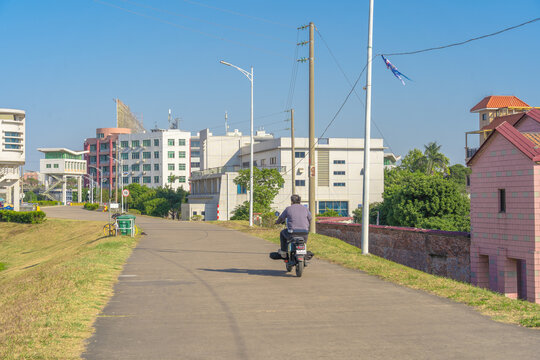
(58, 276)
(489, 303)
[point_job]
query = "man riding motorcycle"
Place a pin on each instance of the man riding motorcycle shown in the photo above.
(298, 219)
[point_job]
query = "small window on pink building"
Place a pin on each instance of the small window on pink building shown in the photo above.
(502, 200)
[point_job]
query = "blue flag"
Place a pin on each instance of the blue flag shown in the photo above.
(394, 70)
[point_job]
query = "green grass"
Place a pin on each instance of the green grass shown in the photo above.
(495, 305)
(3, 266)
(60, 275)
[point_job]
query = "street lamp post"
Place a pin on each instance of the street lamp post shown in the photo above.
(100, 185)
(120, 163)
(249, 75)
(91, 195)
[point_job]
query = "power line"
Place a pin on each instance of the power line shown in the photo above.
(204, 21)
(294, 73)
(189, 29)
(463, 42)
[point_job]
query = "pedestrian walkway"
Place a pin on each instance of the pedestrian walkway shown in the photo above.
(198, 291)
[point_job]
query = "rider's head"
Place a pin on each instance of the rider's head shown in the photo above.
(295, 199)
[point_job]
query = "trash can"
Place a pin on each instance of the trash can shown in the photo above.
(126, 224)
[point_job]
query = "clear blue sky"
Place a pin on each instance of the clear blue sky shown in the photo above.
(64, 61)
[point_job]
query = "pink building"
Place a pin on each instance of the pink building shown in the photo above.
(505, 207)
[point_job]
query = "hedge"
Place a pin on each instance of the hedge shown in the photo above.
(48, 202)
(25, 217)
(90, 206)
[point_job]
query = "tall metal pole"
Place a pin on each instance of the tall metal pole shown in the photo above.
(293, 158)
(251, 159)
(367, 138)
(312, 208)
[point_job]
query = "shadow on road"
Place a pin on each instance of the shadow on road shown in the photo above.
(250, 272)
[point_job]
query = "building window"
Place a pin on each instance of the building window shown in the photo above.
(342, 207)
(170, 154)
(93, 148)
(484, 117)
(195, 144)
(181, 166)
(135, 180)
(263, 162)
(147, 167)
(124, 144)
(156, 154)
(146, 155)
(339, 161)
(93, 159)
(182, 154)
(156, 167)
(241, 189)
(55, 166)
(125, 179)
(135, 155)
(156, 142)
(125, 168)
(339, 184)
(135, 167)
(195, 164)
(147, 179)
(103, 146)
(171, 167)
(182, 179)
(502, 200)
(124, 156)
(300, 182)
(48, 166)
(135, 144)
(156, 179)
(299, 154)
(170, 142)
(146, 142)
(181, 142)
(171, 179)
(323, 141)
(273, 160)
(196, 153)
(339, 172)
(103, 158)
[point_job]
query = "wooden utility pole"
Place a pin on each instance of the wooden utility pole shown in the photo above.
(312, 208)
(293, 157)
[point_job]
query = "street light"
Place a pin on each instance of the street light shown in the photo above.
(100, 185)
(120, 163)
(249, 75)
(92, 181)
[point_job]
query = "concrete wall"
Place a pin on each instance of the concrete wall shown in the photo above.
(442, 253)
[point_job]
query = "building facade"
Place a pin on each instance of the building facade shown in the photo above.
(505, 209)
(156, 158)
(338, 175)
(12, 154)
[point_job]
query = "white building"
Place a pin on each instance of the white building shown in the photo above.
(59, 165)
(195, 152)
(12, 154)
(338, 176)
(156, 158)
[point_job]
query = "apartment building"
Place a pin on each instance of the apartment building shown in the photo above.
(338, 175)
(12, 154)
(156, 158)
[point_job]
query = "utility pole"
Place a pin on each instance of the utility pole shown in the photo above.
(293, 158)
(367, 138)
(312, 125)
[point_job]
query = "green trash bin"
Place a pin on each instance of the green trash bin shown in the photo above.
(126, 224)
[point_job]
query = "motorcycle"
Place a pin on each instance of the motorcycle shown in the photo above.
(297, 255)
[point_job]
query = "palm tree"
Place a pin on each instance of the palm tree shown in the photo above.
(435, 160)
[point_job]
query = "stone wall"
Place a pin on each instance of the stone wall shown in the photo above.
(442, 253)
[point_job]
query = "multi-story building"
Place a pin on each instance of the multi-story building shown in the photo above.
(59, 165)
(338, 175)
(195, 152)
(12, 154)
(505, 208)
(101, 152)
(156, 158)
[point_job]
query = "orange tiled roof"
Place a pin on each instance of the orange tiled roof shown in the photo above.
(497, 102)
(534, 137)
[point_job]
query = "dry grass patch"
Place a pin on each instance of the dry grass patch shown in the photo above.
(495, 305)
(58, 276)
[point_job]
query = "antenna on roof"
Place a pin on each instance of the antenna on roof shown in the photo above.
(226, 123)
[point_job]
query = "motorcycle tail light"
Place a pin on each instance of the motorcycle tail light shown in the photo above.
(301, 247)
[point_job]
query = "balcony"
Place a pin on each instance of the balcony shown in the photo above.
(469, 152)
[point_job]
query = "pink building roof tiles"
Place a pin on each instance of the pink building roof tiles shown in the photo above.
(497, 102)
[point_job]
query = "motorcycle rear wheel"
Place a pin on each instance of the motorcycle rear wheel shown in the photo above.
(299, 269)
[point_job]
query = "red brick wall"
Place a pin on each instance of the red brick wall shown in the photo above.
(442, 253)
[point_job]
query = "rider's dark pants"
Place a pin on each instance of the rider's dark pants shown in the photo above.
(285, 235)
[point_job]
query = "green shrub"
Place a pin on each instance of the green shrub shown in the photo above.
(24, 217)
(330, 213)
(48, 203)
(134, 212)
(90, 206)
(268, 220)
(196, 217)
(3, 266)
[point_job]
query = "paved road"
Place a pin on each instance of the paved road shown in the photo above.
(198, 291)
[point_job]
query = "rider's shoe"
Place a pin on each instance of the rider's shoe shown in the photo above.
(282, 253)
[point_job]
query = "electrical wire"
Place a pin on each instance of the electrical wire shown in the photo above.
(190, 29)
(294, 73)
(462, 42)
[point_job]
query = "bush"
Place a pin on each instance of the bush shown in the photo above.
(156, 207)
(134, 212)
(268, 220)
(48, 203)
(24, 217)
(373, 210)
(329, 213)
(196, 217)
(90, 206)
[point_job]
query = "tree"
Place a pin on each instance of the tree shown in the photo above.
(458, 173)
(435, 160)
(425, 201)
(414, 161)
(266, 185)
